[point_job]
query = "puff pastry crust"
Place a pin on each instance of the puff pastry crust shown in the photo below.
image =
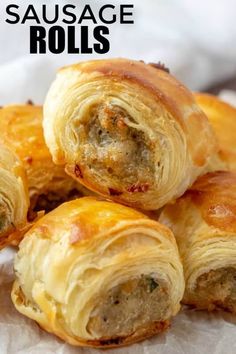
(127, 130)
(222, 117)
(14, 199)
(49, 185)
(204, 223)
(96, 273)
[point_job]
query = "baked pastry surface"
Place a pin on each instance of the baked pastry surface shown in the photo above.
(14, 199)
(203, 221)
(222, 117)
(49, 185)
(127, 130)
(96, 273)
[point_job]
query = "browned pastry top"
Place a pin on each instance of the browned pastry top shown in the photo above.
(222, 117)
(215, 195)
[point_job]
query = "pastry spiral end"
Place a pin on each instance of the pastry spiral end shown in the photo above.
(99, 274)
(203, 221)
(14, 199)
(127, 130)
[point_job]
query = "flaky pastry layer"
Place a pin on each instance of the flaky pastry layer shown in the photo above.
(14, 199)
(21, 128)
(127, 130)
(222, 117)
(97, 273)
(203, 221)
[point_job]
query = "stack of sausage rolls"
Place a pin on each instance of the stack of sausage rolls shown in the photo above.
(116, 140)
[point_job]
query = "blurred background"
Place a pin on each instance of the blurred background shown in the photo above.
(196, 39)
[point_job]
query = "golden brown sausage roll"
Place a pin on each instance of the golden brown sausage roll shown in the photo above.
(49, 185)
(14, 199)
(222, 117)
(204, 223)
(99, 274)
(127, 130)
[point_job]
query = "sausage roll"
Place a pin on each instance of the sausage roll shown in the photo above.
(98, 274)
(222, 117)
(49, 185)
(14, 199)
(127, 130)
(204, 223)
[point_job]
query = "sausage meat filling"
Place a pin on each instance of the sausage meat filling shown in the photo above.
(4, 220)
(115, 149)
(130, 306)
(217, 289)
(51, 200)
